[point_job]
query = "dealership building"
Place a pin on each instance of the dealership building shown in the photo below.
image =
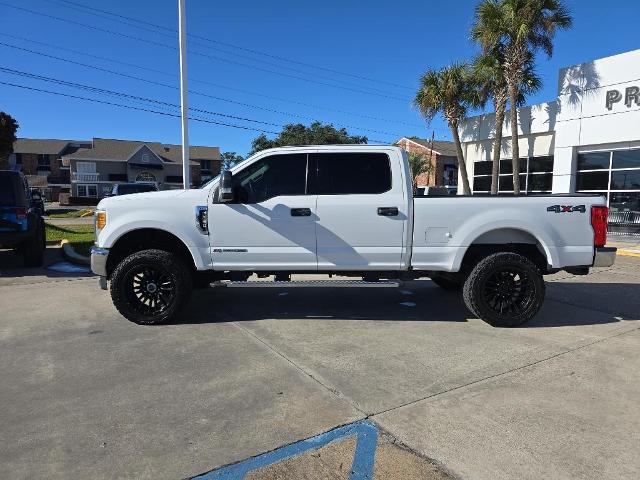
(588, 140)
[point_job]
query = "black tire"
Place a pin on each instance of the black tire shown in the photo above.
(448, 282)
(151, 286)
(504, 290)
(33, 249)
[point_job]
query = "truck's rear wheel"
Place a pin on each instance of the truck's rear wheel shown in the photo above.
(150, 286)
(504, 289)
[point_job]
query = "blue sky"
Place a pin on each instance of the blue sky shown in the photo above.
(389, 42)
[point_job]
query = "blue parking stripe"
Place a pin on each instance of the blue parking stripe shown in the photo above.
(365, 432)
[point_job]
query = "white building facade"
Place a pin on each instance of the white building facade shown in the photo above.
(588, 140)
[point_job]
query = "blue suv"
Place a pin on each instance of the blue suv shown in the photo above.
(21, 223)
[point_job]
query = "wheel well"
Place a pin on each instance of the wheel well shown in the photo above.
(143, 239)
(506, 240)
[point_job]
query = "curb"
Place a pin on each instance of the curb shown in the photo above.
(70, 254)
(628, 253)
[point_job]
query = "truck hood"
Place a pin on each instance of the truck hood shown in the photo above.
(138, 197)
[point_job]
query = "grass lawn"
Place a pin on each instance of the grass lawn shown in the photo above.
(69, 213)
(81, 237)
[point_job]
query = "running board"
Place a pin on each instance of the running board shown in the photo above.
(309, 283)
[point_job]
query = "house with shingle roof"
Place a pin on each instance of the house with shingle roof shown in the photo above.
(89, 169)
(444, 160)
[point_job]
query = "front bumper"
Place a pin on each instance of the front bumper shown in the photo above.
(604, 256)
(99, 261)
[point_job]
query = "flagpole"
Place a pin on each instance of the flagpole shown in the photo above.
(184, 108)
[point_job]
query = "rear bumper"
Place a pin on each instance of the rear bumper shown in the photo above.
(604, 256)
(99, 261)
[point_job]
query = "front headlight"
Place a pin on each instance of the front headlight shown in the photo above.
(99, 222)
(101, 219)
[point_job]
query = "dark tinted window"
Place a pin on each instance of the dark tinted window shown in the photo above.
(352, 173)
(7, 196)
(482, 168)
(540, 182)
(593, 161)
(505, 183)
(271, 177)
(541, 164)
(481, 184)
(626, 159)
(625, 180)
(625, 202)
(592, 180)
(506, 166)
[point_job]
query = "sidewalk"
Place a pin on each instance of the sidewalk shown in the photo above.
(627, 247)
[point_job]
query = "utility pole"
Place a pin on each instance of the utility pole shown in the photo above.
(184, 108)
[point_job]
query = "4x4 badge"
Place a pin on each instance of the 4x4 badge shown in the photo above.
(566, 208)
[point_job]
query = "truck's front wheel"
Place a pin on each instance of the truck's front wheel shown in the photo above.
(504, 289)
(150, 286)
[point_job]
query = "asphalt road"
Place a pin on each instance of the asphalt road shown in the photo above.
(86, 394)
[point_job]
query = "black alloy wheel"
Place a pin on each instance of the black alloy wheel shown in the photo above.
(150, 289)
(508, 290)
(504, 289)
(151, 286)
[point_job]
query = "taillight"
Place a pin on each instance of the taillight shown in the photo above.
(21, 213)
(599, 216)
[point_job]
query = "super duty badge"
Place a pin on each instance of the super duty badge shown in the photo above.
(566, 208)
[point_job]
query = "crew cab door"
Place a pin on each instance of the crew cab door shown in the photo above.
(270, 225)
(362, 211)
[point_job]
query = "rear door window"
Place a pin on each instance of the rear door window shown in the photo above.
(351, 173)
(7, 193)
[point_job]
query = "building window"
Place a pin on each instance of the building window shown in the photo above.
(205, 166)
(145, 157)
(44, 162)
(616, 175)
(87, 190)
(18, 158)
(536, 175)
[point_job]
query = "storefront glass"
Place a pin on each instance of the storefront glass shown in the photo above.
(615, 174)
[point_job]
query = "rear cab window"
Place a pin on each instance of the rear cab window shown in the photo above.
(350, 173)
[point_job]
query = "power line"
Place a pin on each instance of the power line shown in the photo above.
(195, 92)
(226, 44)
(132, 97)
(159, 30)
(104, 102)
(125, 95)
(204, 55)
(205, 82)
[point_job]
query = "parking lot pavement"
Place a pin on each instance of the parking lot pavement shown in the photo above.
(245, 371)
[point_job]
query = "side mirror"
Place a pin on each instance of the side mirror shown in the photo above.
(226, 187)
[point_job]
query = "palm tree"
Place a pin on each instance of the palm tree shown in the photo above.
(521, 27)
(490, 78)
(419, 165)
(450, 91)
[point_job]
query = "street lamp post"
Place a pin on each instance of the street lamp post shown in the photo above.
(184, 108)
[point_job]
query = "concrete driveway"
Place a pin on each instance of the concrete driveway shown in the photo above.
(87, 394)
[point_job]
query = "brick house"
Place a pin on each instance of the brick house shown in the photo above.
(89, 169)
(443, 159)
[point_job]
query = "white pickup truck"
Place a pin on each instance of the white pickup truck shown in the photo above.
(344, 210)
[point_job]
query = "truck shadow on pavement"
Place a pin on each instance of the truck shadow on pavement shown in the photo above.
(566, 304)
